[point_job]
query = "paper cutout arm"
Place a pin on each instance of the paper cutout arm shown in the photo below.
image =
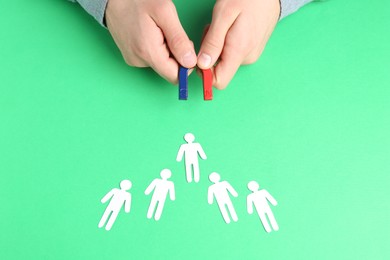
(201, 152)
(172, 192)
(108, 196)
(150, 187)
(231, 190)
(180, 153)
(270, 198)
(128, 203)
(210, 196)
(249, 204)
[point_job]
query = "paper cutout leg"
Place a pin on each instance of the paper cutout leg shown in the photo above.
(104, 218)
(272, 219)
(195, 167)
(189, 172)
(159, 210)
(112, 219)
(264, 221)
(225, 215)
(232, 211)
(151, 208)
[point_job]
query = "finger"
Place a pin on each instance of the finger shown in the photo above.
(233, 55)
(212, 45)
(178, 42)
(165, 65)
(226, 69)
(205, 31)
(157, 55)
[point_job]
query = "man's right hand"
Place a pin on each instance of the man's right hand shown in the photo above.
(149, 34)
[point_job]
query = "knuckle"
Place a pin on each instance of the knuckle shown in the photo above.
(228, 12)
(164, 8)
(220, 83)
(134, 59)
(129, 61)
(142, 51)
(134, 62)
(213, 44)
(254, 56)
(177, 41)
(251, 59)
(226, 9)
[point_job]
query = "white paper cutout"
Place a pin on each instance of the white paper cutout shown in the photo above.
(118, 198)
(190, 150)
(161, 189)
(260, 198)
(220, 191)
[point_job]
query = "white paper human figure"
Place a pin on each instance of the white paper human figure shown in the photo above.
(221, 192)
(260, 199)
(190, 150)
(118, 198)
(161, 189)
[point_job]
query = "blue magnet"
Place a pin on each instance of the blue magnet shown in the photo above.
(183, 83)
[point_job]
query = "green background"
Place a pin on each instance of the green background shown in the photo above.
(310, 121)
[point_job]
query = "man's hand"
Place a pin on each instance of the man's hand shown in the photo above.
(148, 33)
(237, 35)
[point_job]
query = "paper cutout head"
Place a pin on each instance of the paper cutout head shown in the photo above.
(125, 185)
(165, 174)
(214, 177)
(189, 138)
(253, 186)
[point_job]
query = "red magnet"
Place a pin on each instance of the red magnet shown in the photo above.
(207, 76)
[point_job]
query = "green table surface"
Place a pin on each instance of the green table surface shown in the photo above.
(310, 121)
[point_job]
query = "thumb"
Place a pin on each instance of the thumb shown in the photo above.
(214, 39)
(178, 42)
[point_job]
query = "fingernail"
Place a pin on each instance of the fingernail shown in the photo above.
(189, 59)
(204, 60)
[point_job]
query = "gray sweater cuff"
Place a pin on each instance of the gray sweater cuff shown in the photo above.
(290, 6)
(96, 8)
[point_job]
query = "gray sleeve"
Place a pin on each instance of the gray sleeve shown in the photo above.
(290, 6)
(96, 8)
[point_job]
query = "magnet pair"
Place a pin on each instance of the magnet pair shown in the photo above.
(207, 77)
